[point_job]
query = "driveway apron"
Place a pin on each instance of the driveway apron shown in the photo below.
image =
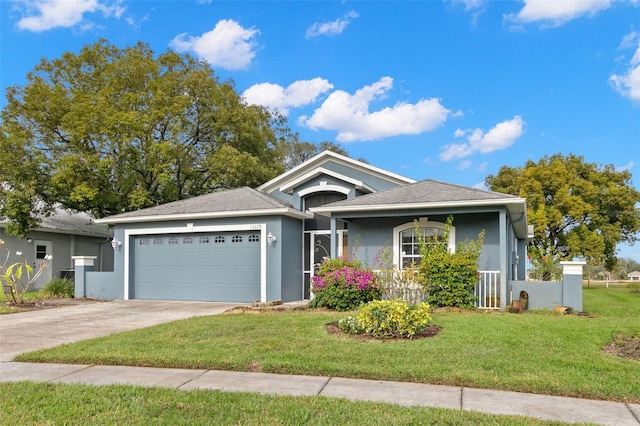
(33, 330)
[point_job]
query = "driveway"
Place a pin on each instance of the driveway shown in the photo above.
(32, 330)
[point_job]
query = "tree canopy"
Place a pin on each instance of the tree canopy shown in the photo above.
(578, 209)
(109, 130)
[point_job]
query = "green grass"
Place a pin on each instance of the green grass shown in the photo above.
(45, 403)
(533, 352)
(29, 296)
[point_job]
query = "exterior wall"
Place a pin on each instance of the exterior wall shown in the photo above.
(63, 247)
(283, 258)
(370, 236)
(290, 244)
(549, 294)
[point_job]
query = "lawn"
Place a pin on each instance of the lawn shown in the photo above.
(532, 352)
(46, 403)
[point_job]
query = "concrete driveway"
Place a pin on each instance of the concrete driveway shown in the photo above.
(32, 330)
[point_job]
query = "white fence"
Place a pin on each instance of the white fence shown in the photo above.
(487, 291)
(402, 285)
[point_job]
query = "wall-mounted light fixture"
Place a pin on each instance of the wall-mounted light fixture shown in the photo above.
(115, 243)
(271, 238)
(29, 240)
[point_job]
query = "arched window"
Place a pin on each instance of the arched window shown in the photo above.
(406, 249)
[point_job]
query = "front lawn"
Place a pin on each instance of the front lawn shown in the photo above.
(533, 352)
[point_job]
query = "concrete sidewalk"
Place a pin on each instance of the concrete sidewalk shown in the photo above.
(573, 410)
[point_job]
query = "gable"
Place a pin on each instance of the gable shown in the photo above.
(343, 171)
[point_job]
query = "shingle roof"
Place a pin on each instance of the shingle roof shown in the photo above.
(423, 192)
(73, 223)
(231, 201)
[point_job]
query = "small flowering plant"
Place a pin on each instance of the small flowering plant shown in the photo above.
(343, 284)
(16, 278)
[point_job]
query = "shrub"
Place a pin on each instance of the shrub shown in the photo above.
(634, 287)
(60, 287)
(343, 284)
(450, 278)
(393, 318)
(350, 325)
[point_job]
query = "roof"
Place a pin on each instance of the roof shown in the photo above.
(72, 223)
(239, 202)
(307, 169)
(429, 194)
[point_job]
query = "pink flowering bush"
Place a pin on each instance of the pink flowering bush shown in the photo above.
(343, 284)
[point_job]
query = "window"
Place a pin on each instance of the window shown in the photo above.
(254, 238)
(203, 240)
(410, 247)
(41, 252)
(187, 240)
(173, 240)
(218, 240)
(236, 239)
(143, 241)
(157, 241)
(406, 248)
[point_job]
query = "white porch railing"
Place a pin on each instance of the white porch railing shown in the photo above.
(487, 290)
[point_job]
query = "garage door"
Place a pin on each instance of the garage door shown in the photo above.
(215, 266)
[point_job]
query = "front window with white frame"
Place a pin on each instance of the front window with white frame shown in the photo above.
(406, 247)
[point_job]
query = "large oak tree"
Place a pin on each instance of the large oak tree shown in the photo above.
(109, 130)
(577, 208)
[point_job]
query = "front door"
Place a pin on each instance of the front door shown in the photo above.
(317, 247)
(42, 249)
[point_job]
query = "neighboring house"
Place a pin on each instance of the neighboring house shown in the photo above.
(634, 276)
(264, 244)
(61, 235)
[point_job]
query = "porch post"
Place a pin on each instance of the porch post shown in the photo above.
(82, 265)
(333, 238)
(572, 284)
(503, 258)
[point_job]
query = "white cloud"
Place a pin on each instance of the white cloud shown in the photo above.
(626, 167)
(469, 5)
(331, 28)
(298, 93)
(42, 15)
(349, 115)
(464, 165)
(628, 82)
(501, 136)
(228, 45)
(557, 12)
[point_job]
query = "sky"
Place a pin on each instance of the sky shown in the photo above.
(449, 90)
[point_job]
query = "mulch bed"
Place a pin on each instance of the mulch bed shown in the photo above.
(624, 346)
(33, 305)
(430, 331)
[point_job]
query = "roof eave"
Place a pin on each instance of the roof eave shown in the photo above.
(285, 211)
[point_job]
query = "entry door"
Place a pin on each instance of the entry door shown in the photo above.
(42, 249)
(317, 246)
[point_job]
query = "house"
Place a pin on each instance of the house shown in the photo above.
(265, 244)
(62, 235)
(634, 276)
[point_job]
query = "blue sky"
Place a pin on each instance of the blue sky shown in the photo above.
(449, 90)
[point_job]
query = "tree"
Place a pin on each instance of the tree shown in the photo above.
(578, 209)
(110, 130)
(299, 152)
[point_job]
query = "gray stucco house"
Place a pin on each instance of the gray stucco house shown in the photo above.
(63, 235)
(264, 244)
